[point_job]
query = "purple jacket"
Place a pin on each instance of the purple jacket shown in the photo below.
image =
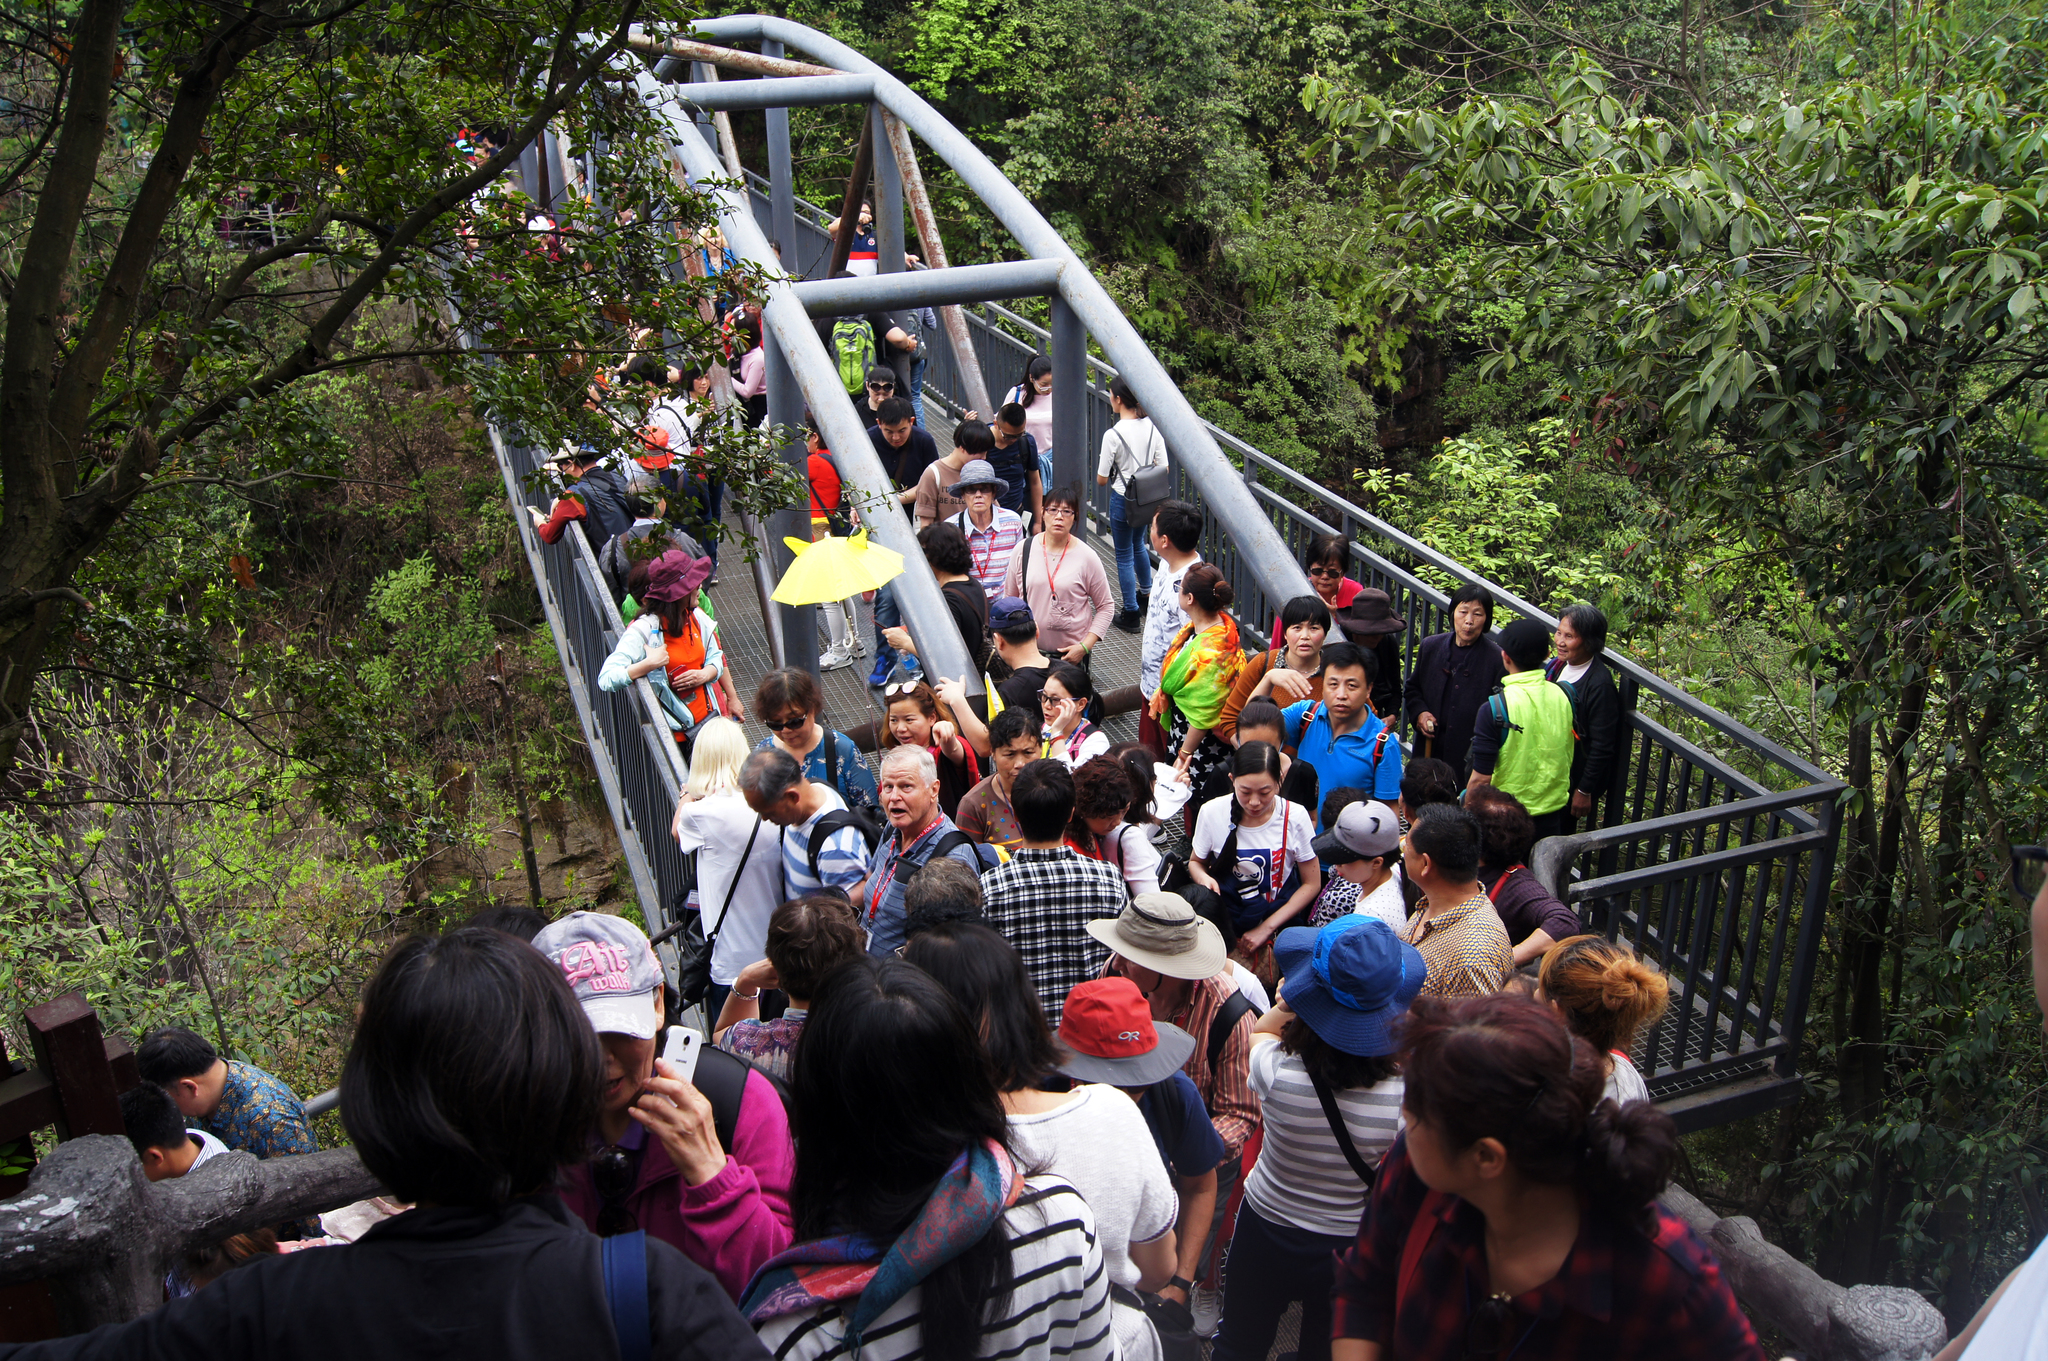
(731, 1224)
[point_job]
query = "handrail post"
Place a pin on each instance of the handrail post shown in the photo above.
(1070, 405)
(786, 413)
(888, 197)
(781, 178)
(1820, 878)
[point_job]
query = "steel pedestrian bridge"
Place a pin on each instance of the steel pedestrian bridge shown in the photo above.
(1717, 845)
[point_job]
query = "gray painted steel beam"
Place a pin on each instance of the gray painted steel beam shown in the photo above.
(1071, 464)
(888, 201)
(929, 287)
(786, 412)
(1229, 504)
(776, 92)
(781, 180)
(816, 376)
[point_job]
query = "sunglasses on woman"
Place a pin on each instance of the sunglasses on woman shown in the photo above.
(896, 689)
(786, 724)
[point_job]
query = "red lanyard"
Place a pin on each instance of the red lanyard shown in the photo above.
(881, 888)
(981, 558)
(1052, 569)
(1490, 893)
(1075, 739)
(1279, 865)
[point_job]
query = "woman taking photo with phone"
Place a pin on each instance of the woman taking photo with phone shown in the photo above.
(1066, 735)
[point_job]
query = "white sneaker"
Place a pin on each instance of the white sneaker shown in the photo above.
(832, 658)
(1207, 1307)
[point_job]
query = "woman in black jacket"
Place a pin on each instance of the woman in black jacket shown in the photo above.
(1454, 673)
(473, 1075)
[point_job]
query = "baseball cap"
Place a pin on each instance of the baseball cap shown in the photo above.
(1008, 612)
(1362, 831)
(1108, 1030)
(610, 967)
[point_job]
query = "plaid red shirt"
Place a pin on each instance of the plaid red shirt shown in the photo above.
(1622, 1292)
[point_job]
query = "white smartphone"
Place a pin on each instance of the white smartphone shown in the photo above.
(679, 1050)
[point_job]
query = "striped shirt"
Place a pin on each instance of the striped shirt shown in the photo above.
(1226, 1089)
(1302, 1177)
(842, 860)
(1059, 1300)
(1466, 948)
(989, 549)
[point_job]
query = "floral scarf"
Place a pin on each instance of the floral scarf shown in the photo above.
(978, 1187)
(1199, 673)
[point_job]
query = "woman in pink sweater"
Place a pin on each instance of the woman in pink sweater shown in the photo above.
(659, 1164)
(1063, 581)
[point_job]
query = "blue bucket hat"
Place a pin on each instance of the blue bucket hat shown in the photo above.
(1351, 980)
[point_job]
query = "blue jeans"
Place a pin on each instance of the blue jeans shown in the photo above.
(888, 616)
(1133, 556)
(916, 393)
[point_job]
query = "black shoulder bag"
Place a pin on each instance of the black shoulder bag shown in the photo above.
(694, 944)
(1366, 1172)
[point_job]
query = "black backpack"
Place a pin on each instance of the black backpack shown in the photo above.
(603, 493)
(869, 821)
(722, 1078)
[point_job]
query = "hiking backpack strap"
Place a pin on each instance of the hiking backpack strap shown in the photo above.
(953, 841)
(829, 822)
(624, 1258)
(722, 1077)
(1223, 1022)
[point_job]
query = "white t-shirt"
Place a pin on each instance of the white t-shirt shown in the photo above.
(2017, 1328)
(1572, 675)
(1266, 854)
(1302, 1177)
(209, 1147)
(1386, 903)
(1077, 748)
(1059, 1306)
(1093, 1143)
(1248, 983)
(1128, 446)
(1135, 856)
(717, 826)
(1625, 1084)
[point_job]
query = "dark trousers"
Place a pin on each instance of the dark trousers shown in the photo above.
(1270, 1267)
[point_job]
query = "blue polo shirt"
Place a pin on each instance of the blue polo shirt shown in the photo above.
(1345, 762)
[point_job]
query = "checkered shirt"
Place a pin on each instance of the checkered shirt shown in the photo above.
(1042, 902)
(1466, 948)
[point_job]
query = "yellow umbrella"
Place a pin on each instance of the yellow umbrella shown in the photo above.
(834, 568)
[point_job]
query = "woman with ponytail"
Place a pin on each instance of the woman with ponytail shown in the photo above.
(1201, 668)
(1517, 1213)
(1606, 995)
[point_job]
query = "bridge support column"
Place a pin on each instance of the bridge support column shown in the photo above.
(888, 199)
(786, 412)
(1071, 463)
(781, 181)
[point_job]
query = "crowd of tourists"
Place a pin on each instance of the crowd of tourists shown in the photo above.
(1021, 1040)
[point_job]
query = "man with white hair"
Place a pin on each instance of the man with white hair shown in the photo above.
(919, 831)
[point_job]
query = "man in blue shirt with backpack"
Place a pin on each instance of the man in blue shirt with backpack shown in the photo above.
(1340, 735)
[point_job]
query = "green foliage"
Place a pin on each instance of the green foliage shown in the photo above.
(1810, 324)
(436, 633)
(1487, 499)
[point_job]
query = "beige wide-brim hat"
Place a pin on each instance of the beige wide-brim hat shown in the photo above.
(1160, 932)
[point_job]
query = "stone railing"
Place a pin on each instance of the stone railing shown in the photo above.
(1827, 1322)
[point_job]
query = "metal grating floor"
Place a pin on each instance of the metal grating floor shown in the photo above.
(849, 702)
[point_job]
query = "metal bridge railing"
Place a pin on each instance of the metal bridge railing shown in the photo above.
(1715, 863)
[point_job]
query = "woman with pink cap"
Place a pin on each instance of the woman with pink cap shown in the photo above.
(674, 643)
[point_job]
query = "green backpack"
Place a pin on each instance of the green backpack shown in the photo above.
(853, 340)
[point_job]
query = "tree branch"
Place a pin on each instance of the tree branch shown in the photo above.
(198, 90)
(25, 436)
(321, 335)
